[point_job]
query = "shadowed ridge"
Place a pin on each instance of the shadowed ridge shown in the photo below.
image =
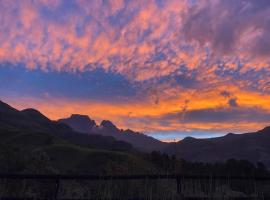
(266, 130)
(230, 135)
(108, 124)
(6, 108)
(254, 147)
(86, 118)
(81, 123)
(35, 115)
(11, 117)
(107, 128)
(31, 121)
(188, 139)
(138, 140)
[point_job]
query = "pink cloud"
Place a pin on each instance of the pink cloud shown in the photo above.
(127, 37)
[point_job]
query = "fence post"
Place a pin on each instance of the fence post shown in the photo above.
(56, 188)
(178, 182)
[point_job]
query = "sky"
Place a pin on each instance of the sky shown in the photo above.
(167, 68)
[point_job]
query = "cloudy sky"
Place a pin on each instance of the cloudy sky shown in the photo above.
(168, 68)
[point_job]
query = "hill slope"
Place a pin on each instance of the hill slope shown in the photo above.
(31, 120)
(31, 143)
(254, 147)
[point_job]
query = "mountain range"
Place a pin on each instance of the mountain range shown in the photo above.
(31, 120)
(84, 124)
(32, 128)
(32, 143)
(254, 147)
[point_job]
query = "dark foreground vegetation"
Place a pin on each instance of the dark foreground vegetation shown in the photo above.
(64, 158)
(30, 143)
(197, 179)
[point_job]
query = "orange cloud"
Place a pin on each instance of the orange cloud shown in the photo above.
(48, 43)
(173, 112)
(197, 42)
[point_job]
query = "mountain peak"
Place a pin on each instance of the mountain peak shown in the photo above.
(32, 111)
(35, 114)
(81, 123)
(108, 124)
(188, 139)
(229, 135)
(81, 117)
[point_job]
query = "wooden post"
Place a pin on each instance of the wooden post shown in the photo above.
(178, 182)
(57, 184)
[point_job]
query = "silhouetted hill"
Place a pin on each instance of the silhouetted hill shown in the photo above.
(30, 131)
(35, 152)
(31, 120)
(10, 117)
(32, 143)
(254, 147)
(36, 116)
(107, 128)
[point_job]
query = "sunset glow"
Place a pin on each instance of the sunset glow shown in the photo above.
(167, 68)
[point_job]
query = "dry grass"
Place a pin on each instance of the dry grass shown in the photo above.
(135, 189)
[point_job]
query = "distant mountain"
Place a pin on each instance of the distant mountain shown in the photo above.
(254, 147)
(107, 128)
(138, 140)
(108, 125)
(31, 129)
(81, 123)
(31, 120)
